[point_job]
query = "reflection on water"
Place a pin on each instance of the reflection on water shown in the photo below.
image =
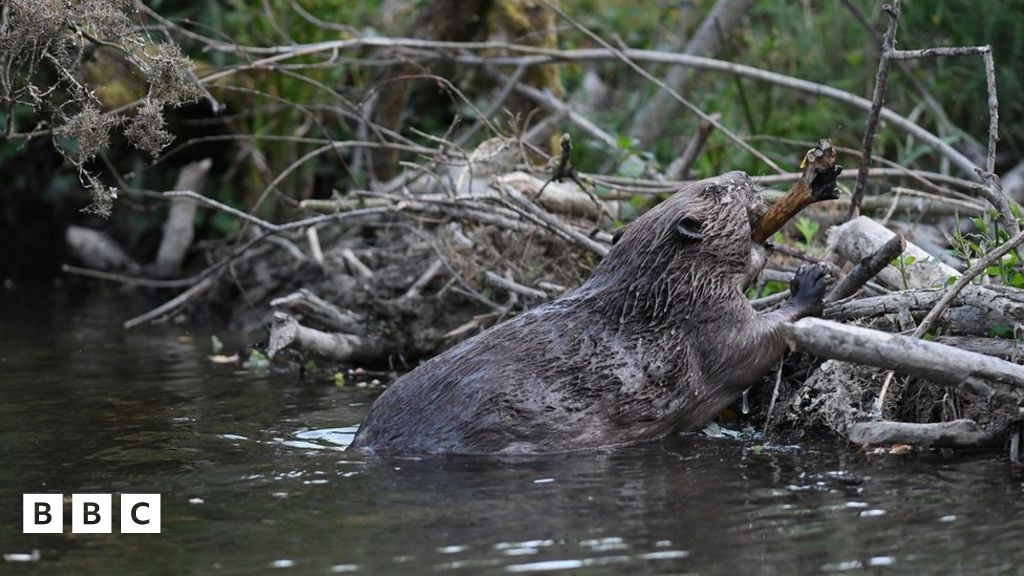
(254, 479)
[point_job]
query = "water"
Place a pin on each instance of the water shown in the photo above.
(254, 479)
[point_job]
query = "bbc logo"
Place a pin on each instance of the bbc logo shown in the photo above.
(90, 513)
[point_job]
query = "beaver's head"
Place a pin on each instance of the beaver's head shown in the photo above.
(697, 239)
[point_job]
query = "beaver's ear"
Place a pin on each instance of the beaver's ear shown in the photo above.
(617, 235)
(688, 229)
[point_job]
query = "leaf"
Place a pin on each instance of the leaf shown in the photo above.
(1016, 280)
(623, 141)
(808, 229)
(215, 344)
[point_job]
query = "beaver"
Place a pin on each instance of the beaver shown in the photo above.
(659, 340)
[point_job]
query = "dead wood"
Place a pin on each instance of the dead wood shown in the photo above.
(97, 250)
(945, 365)
(955, 434)
(179, 226)
(867, 269)
(976, 310)
(310, 305)
(287, 332)
(1007, 349)
(862, 236)
(679, 169)
(708, 39)
(818, 183)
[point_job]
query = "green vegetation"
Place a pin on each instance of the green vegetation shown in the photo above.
(275, 117)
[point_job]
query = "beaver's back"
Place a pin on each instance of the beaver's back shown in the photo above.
(527, 385)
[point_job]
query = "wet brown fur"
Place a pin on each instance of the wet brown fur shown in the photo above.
(659, 340)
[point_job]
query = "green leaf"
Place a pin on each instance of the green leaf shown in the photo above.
(808, 229)
(624, 142)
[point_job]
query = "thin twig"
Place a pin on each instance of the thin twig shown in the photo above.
(129, 280)
(877, 99)
(172, 304)
(224, 208)
(513, 286)
(621, 55)
(775, 396)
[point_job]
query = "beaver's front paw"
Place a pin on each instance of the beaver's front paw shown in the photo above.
(810, 283)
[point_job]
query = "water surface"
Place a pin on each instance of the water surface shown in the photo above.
(254, 479)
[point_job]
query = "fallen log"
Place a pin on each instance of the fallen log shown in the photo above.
(309, 304)
(971, 372)
(954, 434)
(286, 332)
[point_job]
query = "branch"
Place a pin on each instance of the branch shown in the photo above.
(938, 363)
(881, 78)
(867, 269)
(954, 434)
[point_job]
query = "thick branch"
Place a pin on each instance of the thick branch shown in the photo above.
(941, 364)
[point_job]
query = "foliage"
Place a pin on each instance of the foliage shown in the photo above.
(808, 229)
(42, 46)
(272, 114)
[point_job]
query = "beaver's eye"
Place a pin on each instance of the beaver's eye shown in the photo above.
(688, 229)
(617, 235)
(715, 191)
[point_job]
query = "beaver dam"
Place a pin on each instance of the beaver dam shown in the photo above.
(429, 200)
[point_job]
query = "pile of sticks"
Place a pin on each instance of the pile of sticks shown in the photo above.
(901, 310)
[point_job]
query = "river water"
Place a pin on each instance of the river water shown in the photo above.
(254, 479)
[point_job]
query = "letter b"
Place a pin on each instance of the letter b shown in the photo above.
(42, 513)
(91, 513)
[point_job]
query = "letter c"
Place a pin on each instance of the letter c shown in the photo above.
(135, 516)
